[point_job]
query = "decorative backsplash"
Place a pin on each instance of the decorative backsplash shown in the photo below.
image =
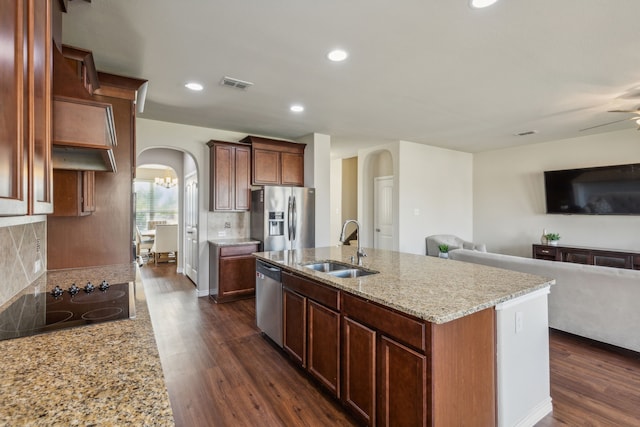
(232, 225)
(23, 256)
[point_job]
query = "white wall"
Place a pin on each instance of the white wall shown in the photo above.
(509, 204)
(192, 140)
(317, 171)
(335, 201)
(436, 194)
(433, 193)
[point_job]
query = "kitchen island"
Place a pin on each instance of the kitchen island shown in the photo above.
(421, 342)
(102, 374)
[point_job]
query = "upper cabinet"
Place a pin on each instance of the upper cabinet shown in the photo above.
(25, 97)
(230, 176)
(276, 162)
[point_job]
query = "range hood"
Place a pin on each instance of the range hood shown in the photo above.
(83, 127)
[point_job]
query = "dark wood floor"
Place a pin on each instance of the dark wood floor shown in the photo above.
(220, 371)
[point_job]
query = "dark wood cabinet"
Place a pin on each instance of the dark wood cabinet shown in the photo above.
(294, 338)
(312, 329)
(402, 385)
(74, 193)
(25, 96)
(233, 272)
(588, 256)
(276, 162)
(230, 188)
(359, 370)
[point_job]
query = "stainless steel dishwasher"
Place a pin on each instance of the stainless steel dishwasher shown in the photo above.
(269, 300)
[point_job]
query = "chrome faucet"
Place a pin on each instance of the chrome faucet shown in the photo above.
(359, 252)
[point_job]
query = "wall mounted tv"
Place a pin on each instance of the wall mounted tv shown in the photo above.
(606, 190)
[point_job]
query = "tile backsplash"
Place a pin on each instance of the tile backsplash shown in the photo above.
(232, 225)
(23, 256)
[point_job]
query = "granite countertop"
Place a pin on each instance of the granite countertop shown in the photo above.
(434, 289)
(234, 241)
(103, 374)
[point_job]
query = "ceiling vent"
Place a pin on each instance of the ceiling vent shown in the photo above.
(236, 83)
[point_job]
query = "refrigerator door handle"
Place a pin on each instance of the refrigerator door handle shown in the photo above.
(289, 215)
(295, 219)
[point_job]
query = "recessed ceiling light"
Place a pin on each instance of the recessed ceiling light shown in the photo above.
(297, 108)
(337, 55)
(479, 4)
(194, 86)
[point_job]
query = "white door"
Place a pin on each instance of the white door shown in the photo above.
(191, 227)
(383, 212)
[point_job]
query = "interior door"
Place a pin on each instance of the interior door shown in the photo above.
(191, 227)
(383, 213)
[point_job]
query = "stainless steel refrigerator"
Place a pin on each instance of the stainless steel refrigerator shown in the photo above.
(283, 218)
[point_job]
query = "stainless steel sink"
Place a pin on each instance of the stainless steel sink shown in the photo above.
(351, 273)
(328, 266)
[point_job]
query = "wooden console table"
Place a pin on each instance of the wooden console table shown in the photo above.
(590, 256)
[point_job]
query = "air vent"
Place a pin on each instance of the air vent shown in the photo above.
(525, 133)
(236, 83)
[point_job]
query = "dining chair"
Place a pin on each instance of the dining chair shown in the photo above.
(143, 243)
(166, 242)
(151, 224)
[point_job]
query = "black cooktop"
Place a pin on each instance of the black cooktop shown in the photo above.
(65, 308)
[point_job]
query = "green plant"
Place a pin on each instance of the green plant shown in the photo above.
(443, 248)
(552, 236)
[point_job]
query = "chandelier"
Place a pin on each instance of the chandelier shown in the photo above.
(167, 182)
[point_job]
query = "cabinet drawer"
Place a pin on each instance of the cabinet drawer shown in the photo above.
(636, 262)
(545, 251)
(398, 326)
(612, 260)
(238, 250)
(320, 293)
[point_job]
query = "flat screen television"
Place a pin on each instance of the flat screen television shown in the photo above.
(605, 190)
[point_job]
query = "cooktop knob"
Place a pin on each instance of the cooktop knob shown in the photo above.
(74, 289)
(57, 292)
(89, 288)
(103, 286)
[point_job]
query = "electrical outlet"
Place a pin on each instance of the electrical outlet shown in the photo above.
(519, 321)
(37, 266)
(222, 233)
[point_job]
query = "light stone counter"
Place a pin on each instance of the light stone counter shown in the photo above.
(104, 374)
(234, 242)
(434, 289)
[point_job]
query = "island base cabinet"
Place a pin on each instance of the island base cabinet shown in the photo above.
(311, 333)
(358, 371)
(324, 349)
(401, 385)
(294, 338)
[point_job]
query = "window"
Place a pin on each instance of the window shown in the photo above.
(155, 202)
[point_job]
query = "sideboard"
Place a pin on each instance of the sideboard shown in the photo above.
(587, 255)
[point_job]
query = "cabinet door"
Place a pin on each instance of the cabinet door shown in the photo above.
(266, 167)
(294, 307)
(242, 179)
(359, 370)
(40, 127)
(401, 385)
(237, 277)
(292, 169)
(324, 346)
(223, 158)
(13, 108)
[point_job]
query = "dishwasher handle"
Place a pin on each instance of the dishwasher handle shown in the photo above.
(269, 271)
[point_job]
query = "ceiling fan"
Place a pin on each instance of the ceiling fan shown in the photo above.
(636, 118)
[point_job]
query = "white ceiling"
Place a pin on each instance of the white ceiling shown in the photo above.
(429, 71)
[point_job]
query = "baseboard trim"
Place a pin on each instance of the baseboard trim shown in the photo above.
(202, 293)
(540, 411)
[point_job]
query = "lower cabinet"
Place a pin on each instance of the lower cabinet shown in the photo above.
(233, 272)
(312, 329)
(388, 368)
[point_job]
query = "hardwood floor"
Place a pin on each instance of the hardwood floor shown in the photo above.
(220, 371)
